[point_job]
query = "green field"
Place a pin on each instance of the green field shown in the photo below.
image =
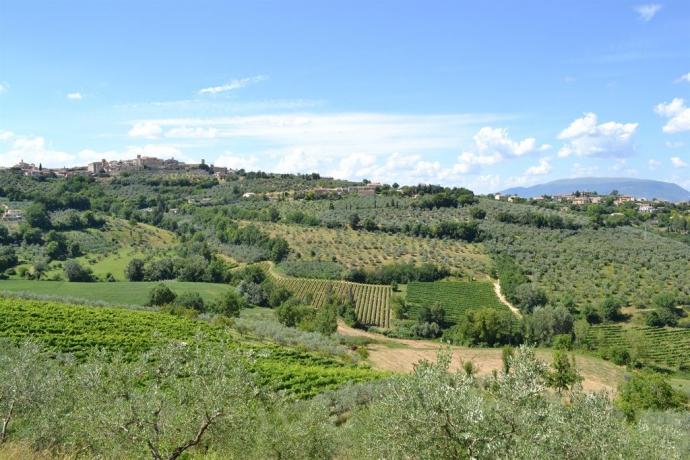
(667, 346)
(120, 293)
(454, 296)
(79, 329)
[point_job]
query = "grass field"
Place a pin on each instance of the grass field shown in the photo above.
(373, 249)
(79, 329)
(122, 293)
(455, 297)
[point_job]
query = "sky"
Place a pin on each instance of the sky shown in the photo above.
(482, 94)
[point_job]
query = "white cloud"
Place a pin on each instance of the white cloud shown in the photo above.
(684, 78)
(674, 144)
(647, 12)
(678, 162)
(585, 137)
(492, 146)
(544, 167)
(3, 87)
(74, 96)
(677, 113)
(233, 85)
(155, 150)
(192, 133)
(6, 135)
(654, 164)
(232, 161)
(33, 149)
(146, 129)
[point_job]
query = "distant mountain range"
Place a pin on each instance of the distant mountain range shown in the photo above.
(605, 185)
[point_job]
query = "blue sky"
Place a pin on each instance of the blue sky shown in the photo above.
(485, 94)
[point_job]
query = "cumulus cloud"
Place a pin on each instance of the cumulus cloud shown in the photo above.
(544, 167)
(145, 129)
(678, 162)
(74, 96)
(586, 137)
(32, 149)
(6, 135)
(492, 146)
(155, 150)
(678, 115)
(233, 85)
(647, 12)
(684, 78)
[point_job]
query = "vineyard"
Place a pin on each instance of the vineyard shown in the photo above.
(669, 347)
(372, 302)
(454, 297)
(78, 330)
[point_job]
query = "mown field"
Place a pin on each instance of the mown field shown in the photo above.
(120, 293)
(455, 297)
(667, 347)
(362, 249)
(79, 330)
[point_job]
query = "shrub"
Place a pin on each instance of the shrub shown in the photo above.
(135, 270)
(161, 294)
(647, 390)
(75, 272)
(229, 304)
(190, 300)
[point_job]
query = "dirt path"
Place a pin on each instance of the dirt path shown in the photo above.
(401, 355)
(504, 301)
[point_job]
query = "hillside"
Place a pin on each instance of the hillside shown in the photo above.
(604, 185)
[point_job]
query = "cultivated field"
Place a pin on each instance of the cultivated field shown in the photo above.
(363, 249)
(80, 330)
(668, 347)
(454, 297)
(372, 302)
(118, 293)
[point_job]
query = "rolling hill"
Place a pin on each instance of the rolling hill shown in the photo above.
(604, 185)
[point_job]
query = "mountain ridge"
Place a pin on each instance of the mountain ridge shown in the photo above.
(639, 188)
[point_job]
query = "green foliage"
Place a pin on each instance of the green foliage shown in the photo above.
(191, 300)
(564, 375)
(161, 295)
(611, 309)
(545, 323)
(316, 269)
(8, 258)
(485, 327)
(75, 272)
(647, 390)
(135, 270)
(230, 303)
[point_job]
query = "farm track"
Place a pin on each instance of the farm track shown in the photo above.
(504, 301)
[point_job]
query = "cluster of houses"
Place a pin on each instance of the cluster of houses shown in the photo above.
(9, 214)
(140, 163)
(361, 190)
(585, 198)
(115, 167)
(30, 169)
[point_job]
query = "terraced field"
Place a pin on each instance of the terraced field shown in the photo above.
(669, 347)
(372, 302)
(455, 297)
